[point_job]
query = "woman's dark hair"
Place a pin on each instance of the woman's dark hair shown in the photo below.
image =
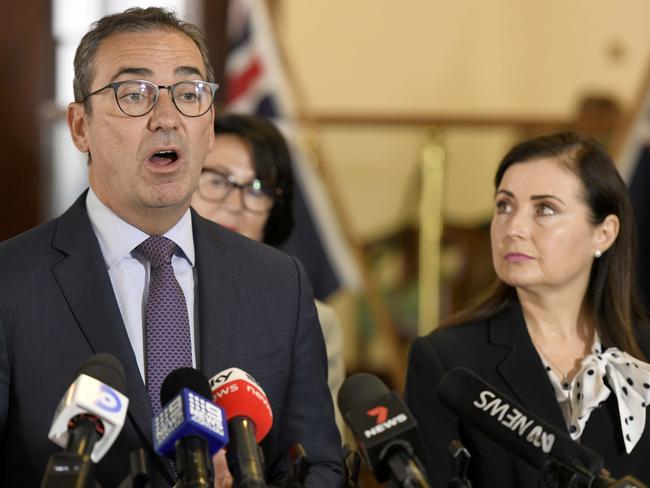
(272, 161)
(611, 297)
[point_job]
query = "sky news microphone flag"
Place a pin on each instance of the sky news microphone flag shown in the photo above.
(255, 83)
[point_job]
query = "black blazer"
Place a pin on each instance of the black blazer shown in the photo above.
(255, 311)
(499, 350)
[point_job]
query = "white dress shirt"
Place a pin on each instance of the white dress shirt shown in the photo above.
(130, 272)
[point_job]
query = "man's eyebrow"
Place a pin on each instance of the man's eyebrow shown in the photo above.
(141, 72)
(147, 73)
(189, 70)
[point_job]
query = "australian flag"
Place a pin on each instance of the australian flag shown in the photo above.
(255, 83)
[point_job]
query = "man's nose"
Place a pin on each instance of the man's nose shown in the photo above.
(165, 116)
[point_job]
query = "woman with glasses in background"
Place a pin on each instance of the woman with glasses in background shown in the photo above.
(247, 187)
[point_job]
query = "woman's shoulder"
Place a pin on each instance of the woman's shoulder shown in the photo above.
(472, 329)
(642, 332)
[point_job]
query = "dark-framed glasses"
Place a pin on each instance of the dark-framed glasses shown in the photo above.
(138, 97)
(215, 186)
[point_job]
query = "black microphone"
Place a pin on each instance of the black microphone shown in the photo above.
(385, 430)
(532, 439)
(87, 421)
(190, 426)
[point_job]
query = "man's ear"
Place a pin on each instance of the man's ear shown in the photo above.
(606, 233)
(77, 123)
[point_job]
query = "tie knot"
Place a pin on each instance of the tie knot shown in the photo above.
(158, 250)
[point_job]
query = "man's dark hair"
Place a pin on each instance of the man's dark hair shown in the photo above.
(131, 20)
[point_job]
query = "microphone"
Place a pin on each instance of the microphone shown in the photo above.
(385, 430)
(532, 439)
(249, 420)
(189, 428)
(87, 421)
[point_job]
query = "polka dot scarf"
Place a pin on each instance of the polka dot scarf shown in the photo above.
(629, 380)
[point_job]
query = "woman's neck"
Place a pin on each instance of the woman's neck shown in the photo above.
(560, 330)
(556, 316)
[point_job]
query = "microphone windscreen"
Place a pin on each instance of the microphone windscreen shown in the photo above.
(180, 378)
(360, 387)
(105, 368)
(240, 395)
(509, 424)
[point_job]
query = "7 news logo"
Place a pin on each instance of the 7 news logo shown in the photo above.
(382, 422)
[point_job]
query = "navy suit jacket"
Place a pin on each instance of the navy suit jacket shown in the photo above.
(255, 311)
(500, 351)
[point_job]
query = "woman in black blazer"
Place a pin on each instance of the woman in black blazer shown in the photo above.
(560, 332)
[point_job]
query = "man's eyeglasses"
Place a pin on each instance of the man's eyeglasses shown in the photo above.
(255, 197)
(138, 97)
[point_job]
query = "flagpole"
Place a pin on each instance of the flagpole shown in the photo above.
(625, 135)
(432, 178)
(377, 306)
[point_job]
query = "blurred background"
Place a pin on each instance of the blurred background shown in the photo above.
(399, 113)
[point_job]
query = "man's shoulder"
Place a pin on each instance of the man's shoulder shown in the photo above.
(208, 234)
(32, 241)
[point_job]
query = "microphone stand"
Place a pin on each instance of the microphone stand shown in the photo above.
(352, 464)
(558, 474)
(406, 472)
(460, 457)
(73, 467)
(139, 476)
(299, 465)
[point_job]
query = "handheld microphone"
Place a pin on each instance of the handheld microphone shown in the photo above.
(249, 420)
(87, 421)
(385, 430)
(189, 428)
(532, 439)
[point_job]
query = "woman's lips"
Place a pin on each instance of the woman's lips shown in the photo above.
(517, 257)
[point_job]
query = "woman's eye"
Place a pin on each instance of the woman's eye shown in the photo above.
(219, 182)
(502, 206)
(545, 210)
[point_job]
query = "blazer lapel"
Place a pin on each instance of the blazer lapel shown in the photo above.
(219, 298)
(602, 427)
(521, 369)
(84, 281)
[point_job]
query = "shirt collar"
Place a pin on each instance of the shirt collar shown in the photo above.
(117, 238)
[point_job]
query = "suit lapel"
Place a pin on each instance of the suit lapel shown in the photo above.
(219, 298)
(84, 281)
(602, 427)
(521, 369)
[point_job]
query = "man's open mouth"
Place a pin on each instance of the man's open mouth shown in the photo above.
(163, 158)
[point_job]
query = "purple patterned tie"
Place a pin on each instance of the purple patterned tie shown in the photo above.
(168, 343)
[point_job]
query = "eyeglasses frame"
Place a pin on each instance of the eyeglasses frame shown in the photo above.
(276, 192)
(116, 84)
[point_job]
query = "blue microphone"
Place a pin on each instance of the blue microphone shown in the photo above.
(190, 428)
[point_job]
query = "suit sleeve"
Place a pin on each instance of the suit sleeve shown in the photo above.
(309, 417)
(4, 393)
(437, 426)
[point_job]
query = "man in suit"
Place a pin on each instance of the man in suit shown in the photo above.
(78, 285)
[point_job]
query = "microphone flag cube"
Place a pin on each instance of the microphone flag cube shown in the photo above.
(189, 413)
(88, 395)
